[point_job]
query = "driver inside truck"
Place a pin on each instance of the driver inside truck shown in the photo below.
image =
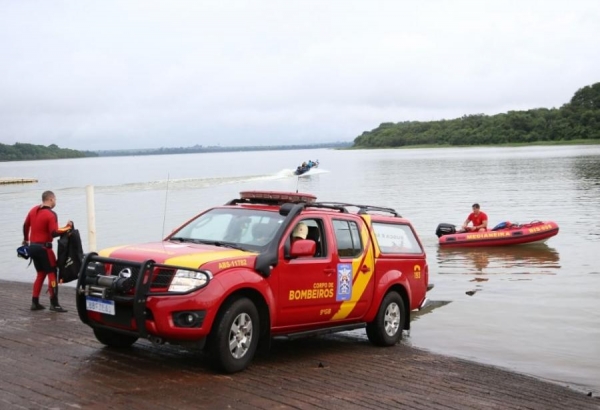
(299, 232)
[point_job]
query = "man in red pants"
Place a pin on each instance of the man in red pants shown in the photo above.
(39, 229)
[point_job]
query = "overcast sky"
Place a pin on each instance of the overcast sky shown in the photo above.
(146, 74)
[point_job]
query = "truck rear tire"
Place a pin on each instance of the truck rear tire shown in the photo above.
(386, 329)
(234, 337)
(114, 339)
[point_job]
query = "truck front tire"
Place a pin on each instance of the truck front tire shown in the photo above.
(386, 329)
(235, 335)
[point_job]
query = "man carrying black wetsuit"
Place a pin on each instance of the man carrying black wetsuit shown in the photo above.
(39, 229)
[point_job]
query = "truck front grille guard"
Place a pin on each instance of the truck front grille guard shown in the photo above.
(93, 281)
(126, 276)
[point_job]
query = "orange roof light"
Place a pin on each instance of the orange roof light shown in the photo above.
(279, 196)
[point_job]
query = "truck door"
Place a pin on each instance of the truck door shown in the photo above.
(354, 262)
(306, 286)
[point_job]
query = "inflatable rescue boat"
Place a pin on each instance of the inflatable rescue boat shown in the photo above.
(503, 234)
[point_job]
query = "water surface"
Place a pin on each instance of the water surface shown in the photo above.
(533, 309)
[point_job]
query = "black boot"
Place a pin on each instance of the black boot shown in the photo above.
(35, 304)
(54, 306)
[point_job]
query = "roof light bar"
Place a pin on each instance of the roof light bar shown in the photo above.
(279, 196)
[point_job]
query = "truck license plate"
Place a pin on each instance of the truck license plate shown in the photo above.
(100, 305)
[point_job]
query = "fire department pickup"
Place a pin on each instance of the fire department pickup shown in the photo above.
(234, 276)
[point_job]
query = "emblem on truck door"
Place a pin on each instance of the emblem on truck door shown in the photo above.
(344, 279)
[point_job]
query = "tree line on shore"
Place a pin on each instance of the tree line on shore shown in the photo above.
(208, 149)
(578, 119)
(23, 152)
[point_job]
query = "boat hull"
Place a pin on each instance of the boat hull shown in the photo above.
(534, 232)
(304, 170)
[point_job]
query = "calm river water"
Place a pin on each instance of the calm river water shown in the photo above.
(535, 309)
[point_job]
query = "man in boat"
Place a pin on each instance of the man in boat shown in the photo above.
(477, 218)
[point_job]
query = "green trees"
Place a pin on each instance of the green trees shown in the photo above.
(578, 119)
(21, 152)
(587, 98)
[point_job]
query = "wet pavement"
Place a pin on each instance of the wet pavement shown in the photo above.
(52, 361)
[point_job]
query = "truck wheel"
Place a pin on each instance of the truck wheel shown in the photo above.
(234, 336)
(114, 339)
(386, 329)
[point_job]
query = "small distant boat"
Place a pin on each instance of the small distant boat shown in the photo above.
(503, 234)
(306, 166)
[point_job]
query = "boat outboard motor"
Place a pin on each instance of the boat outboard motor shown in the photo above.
(445, 229)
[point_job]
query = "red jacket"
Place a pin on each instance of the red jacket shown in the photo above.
(477, 219)
(41, 225)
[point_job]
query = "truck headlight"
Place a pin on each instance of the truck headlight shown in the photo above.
(187, 280)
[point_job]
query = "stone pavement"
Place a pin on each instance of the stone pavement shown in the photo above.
(52, 361)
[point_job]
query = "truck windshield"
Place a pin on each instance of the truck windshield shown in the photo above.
(243, 228)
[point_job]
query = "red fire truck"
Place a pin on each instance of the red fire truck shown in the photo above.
(264, 265)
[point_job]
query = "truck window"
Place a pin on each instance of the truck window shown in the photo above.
(396, 238)
(347, 236)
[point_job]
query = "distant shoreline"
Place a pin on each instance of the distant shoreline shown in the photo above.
(337, 146)
(187, 150)
(211, 149)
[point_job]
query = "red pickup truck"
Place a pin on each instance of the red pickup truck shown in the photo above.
(264, 265)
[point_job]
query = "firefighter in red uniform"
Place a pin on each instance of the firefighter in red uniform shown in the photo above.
(39, 229)
(478, 218)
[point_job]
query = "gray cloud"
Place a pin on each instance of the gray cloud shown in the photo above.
(102, 75)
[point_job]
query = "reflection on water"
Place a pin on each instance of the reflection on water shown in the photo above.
(520, 259)
(587, 169)
(428, 308)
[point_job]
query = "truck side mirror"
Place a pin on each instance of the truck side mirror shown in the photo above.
(302, 248)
